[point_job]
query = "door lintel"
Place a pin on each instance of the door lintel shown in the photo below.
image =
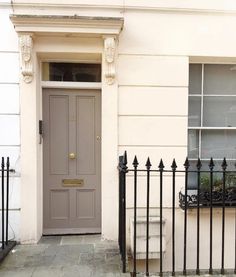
(76, 25)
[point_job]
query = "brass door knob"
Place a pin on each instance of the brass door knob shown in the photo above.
(72, 156)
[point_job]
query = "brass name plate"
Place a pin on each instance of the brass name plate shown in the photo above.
(72, 182)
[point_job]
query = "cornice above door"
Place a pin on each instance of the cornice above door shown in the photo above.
(67, 25)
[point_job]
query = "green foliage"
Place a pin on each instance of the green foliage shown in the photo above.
(230, 182)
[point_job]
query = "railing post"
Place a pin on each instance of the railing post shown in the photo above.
(199, 165)
(135, 165)
(3, 223)
(161, 168)
(211, 166)
(173, 167)
(123, 169)
(224, 167)
(7, 199)
(148, 166)
(186, 166)
(120, 203)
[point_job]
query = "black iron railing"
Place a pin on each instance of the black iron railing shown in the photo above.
(214, 188)
(5, 245)
(122, 209)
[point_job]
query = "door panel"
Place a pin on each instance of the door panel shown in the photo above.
(59, 135)
(59, 204)
(86, 140)
(72, 189)
(85, 203)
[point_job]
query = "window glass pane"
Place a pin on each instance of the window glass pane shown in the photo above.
(195, 78)
(193, 144)
(194, 113)
(205, 176)
(218, 144)
(219, 79)
(72, 72)
(219, 111)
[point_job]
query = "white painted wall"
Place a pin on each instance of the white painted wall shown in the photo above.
(155, 48)
(10, 112)
(157, 42)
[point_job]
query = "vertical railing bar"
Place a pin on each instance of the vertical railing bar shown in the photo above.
(186, 165)
(161, 219)
(2, 171)
(124, 226)
(211, 166)
(148, 165)
(120, 205)
(161, 167)
(224, 165)
(173, 216)
(199, 165)
(124, 171)
(7, 200)
(135, 164)
(235, 241)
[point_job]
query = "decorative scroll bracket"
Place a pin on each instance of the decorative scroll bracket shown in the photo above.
(26, 47)
(110, 52)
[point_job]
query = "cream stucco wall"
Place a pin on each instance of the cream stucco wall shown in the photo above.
(155, 49)
(10, 112)
(145, 112)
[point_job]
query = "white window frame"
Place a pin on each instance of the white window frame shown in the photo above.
(200, 128)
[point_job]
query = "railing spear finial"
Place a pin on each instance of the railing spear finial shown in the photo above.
(224, 164)
(174, 165)
(211, 164)
(135, 162)
(161, 165)
(148, 164)
(186, 163)
(199, 164)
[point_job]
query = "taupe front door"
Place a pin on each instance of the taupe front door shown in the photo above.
(71, 161)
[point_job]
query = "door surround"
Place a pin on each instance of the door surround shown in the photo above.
(36, 45)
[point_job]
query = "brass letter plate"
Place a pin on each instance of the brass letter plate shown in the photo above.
(72, 182)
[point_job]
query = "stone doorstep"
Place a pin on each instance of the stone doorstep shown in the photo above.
(64, 257)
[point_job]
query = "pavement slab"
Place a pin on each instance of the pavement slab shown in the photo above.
(64, 256)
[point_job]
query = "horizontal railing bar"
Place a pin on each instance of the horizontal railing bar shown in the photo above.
(207, 160)
(10, 170)
(182, 171)
(211, 128)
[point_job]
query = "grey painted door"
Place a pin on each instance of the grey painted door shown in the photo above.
(71, 161)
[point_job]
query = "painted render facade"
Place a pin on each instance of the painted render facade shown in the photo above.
(144, 108)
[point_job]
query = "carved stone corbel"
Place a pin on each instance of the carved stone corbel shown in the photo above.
(110, 51)
(26, 47)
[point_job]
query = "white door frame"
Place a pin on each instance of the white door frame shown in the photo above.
(40, 39)
(31, 161)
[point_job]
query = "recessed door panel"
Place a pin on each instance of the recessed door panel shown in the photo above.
(86, 135)
(86, 204)
(59, 134)
(59, 204)
(71, 161)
